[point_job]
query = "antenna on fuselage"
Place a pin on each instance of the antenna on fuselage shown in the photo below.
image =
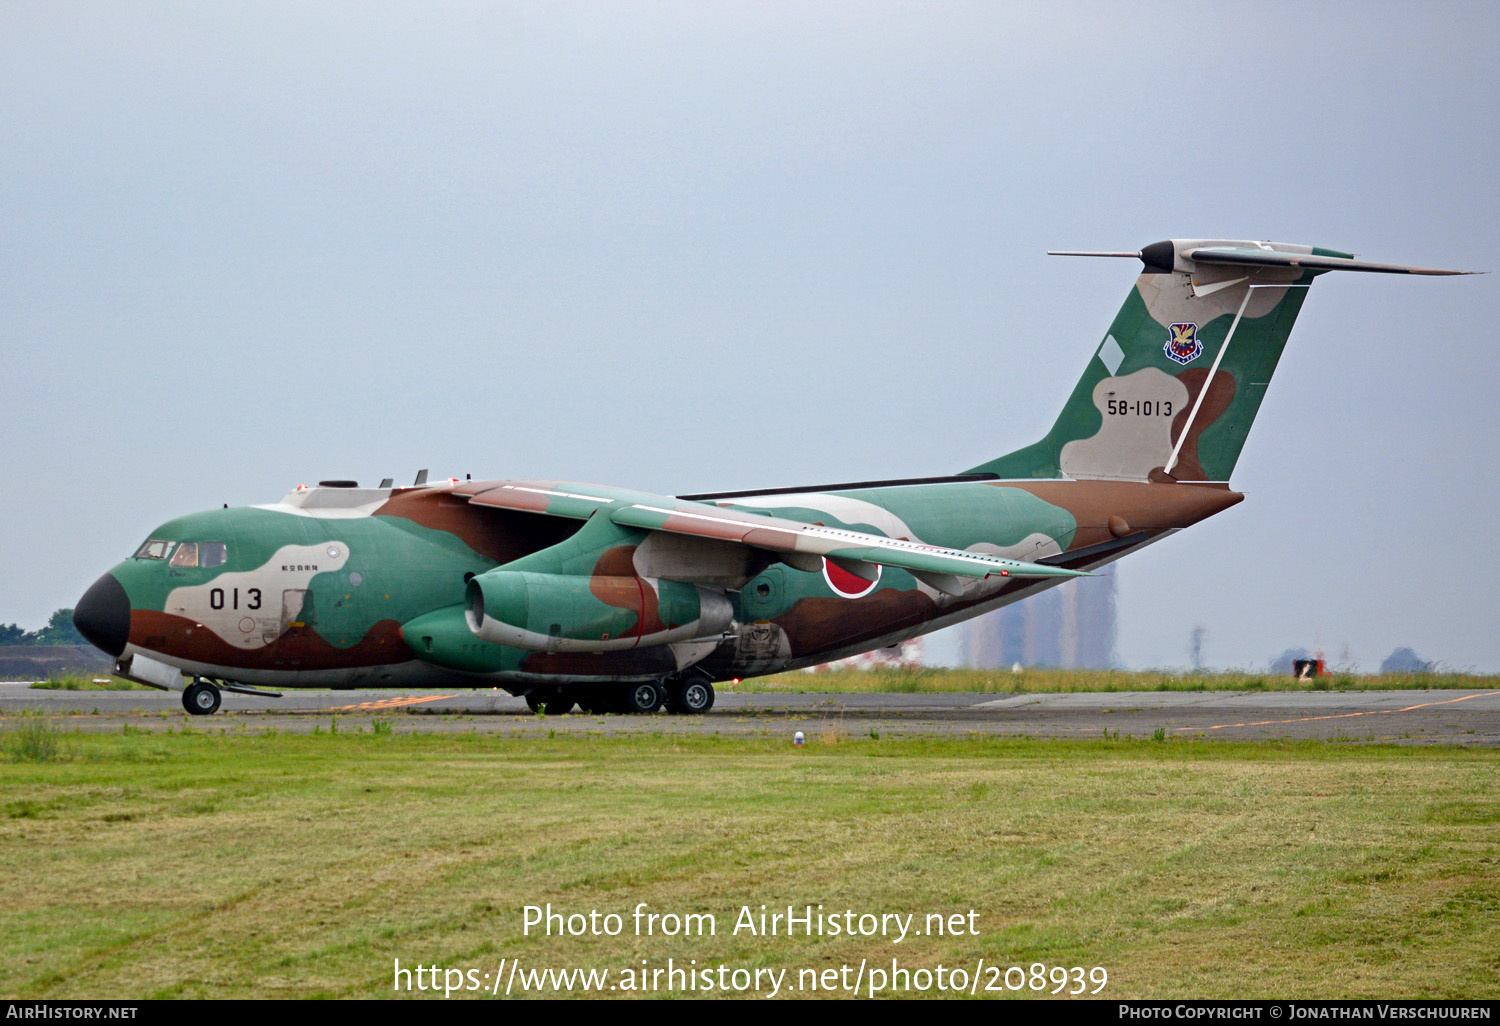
(421, 478)
(386, 482)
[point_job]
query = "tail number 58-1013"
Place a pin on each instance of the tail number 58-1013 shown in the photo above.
(1139, 408)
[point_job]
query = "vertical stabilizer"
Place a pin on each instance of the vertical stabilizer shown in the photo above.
(1173, 388)
(1164, 397)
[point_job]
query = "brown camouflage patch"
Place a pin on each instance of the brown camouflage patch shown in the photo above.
(821, 623)
(500, 535)
(1220, 395)
(297, 649)
(1141, 506)
(614, 582)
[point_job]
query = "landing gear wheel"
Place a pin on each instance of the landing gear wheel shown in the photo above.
(552, 701)
(201, 698)
(692, 697)
(645, 697)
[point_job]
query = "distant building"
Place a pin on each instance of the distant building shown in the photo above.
(1072, 625)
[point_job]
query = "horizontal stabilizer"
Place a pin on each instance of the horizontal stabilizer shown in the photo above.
(1185, 254)
(1306, 261)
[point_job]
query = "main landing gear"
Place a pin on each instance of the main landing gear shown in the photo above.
(201, 698)
(693, 696)
(551, 701)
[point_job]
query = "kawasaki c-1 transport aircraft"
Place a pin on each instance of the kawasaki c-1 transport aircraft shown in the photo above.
(610, 599)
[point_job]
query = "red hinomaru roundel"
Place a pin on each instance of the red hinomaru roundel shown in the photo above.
(846, 584)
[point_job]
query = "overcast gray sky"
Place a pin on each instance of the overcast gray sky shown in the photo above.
(700, 246)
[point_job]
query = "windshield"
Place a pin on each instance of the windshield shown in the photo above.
(188, 554)
(198, 554)
(154, 549)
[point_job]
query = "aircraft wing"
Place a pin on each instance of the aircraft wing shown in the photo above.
(550, 497)
(804, 545)
(798, 544)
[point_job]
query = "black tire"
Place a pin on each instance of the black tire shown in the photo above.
(201, 699)
(645, 697)
(556, 701)
(692, 697)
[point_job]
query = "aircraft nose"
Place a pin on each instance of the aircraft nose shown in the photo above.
(103, 615)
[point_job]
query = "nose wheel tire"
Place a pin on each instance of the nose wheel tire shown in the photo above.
(201, 699)
(692, 697)
(646, 697)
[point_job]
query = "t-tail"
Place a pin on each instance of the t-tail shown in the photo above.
(1171, 392)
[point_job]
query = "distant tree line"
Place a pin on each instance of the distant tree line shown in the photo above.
(59, 631)
(1401, 660)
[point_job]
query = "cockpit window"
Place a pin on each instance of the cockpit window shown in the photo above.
(198, 554)
(154, 549)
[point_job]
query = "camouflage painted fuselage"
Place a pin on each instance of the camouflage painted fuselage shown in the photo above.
(521, 584)
(315, 592)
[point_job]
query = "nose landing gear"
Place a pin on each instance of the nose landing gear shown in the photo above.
(201, 698)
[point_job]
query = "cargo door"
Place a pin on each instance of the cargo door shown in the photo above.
(295, 628)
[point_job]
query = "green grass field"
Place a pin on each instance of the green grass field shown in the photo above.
(198, 864)
(1004, 681)
(81, 682)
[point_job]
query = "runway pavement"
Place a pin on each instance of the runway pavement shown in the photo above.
(1403, 717)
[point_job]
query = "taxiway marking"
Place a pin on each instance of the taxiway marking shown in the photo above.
(390, 703)
(1340, 716)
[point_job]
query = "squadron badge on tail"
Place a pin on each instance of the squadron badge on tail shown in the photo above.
(1182, 343)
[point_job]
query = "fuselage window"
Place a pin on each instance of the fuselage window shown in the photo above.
(154, 549)
(186, 555)
(212, 553)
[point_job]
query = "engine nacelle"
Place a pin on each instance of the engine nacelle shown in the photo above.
(561, 613)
